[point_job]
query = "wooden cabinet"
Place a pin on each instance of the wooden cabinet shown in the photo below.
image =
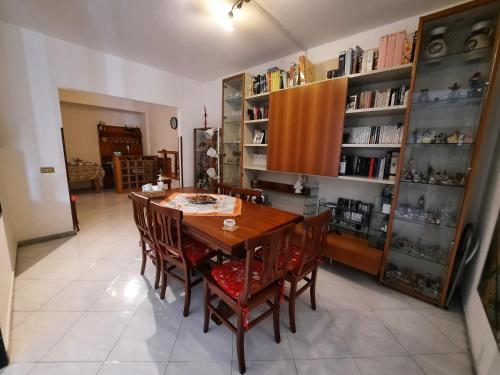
(133, 172)
(305, 128)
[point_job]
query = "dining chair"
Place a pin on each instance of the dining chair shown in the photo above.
(249, 195)
(176, 250)
(220, 188)
(304, 260)
(246, 284)
(142, 218)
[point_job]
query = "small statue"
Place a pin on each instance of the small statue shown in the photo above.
(423, 97)
(468, 138)
(428, 137)
(421, 202)
(452, 138)
(299, 184)
(460, 179)
(474, 89)
(454, 93)
(441, 138)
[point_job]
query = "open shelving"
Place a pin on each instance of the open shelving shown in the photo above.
(376, 111)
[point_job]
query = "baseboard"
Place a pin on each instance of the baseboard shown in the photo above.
(10, 313)
(51, 237)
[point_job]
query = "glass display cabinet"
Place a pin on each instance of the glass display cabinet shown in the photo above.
(450, 81)
(207, 147)
(232, 119)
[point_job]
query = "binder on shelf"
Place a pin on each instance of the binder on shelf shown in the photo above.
(398, 49)
(391, 46)
(342, 58)
(382, 50)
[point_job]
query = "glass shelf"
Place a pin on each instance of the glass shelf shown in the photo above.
(415, 221)
(423, 256)
(476, 100)
(428, 183)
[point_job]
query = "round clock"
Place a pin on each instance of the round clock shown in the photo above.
(174, 123)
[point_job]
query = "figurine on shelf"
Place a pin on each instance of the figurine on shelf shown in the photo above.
(433, 215)
(454, 93)
(412, 138)
(474, 85)
(460, 178)
(430, 171)
(468, 138)
(423, 97)
(428, 137)
(440, 138)
(299, 184)
(419, 138)
(453, 137)
(421, 202)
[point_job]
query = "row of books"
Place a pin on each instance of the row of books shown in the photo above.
(387, 134)
(373, 167)
(379, 98)
(274, 79)
(394, 49)
(279, 79)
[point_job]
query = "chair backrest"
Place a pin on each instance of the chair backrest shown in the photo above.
(220, 188)
(249, 195)
(314, 238)
(167, 230)
(272, 246)
(142, 217)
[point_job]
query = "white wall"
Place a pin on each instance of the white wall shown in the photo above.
(32, 68)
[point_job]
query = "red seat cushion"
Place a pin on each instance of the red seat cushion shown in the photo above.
(195, 250)
(295, 259)
(231, 277)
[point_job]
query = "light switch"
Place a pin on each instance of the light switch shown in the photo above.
(46, 169)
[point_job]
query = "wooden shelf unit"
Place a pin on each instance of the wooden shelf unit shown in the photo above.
(376, 111)
(133, 172)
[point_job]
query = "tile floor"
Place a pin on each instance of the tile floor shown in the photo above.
(81, 307)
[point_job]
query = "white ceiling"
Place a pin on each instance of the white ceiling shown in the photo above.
(184, 36)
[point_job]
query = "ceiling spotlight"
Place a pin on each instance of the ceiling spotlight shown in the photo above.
(238, 5)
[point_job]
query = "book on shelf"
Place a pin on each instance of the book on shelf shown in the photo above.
(342, 58)
(393, 165)
(409, 47)
(386, 134)
(371, 167)
(389, 54)
(379, 98)
(398, 48)
(382, 50)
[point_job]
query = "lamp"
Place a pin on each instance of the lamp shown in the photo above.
(238, 5)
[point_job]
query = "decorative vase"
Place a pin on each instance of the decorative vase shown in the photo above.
(476, 44)
(437, 47)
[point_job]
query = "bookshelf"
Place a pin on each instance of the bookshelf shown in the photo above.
(370, 145)
(259, 121)
(368, 179)
(394, 73)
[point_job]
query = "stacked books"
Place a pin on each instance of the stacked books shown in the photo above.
(278, 79)
(396, 49)
(274, 79)
(372, 167)
(379, 98)
(387, 134)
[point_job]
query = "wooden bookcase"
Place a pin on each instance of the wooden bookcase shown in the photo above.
(132, 172)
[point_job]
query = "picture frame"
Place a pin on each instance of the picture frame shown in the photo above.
(259, 136)
(352, 102)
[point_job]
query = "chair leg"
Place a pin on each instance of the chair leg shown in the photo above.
(187, 291)
(312, 288)
(240, 343)
(163, 279)
(276, 317)
(206, 310)
(291, 305)
(144, 257)
(159, 269)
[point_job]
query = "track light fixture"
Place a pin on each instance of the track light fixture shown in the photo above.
(238, 4)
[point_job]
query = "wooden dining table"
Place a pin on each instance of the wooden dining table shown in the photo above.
(255, 219)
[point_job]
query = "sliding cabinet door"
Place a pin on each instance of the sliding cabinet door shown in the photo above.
(305, 128)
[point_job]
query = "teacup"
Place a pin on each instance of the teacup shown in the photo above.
(229, 223)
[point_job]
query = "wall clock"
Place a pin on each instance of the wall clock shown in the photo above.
(174, 123)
